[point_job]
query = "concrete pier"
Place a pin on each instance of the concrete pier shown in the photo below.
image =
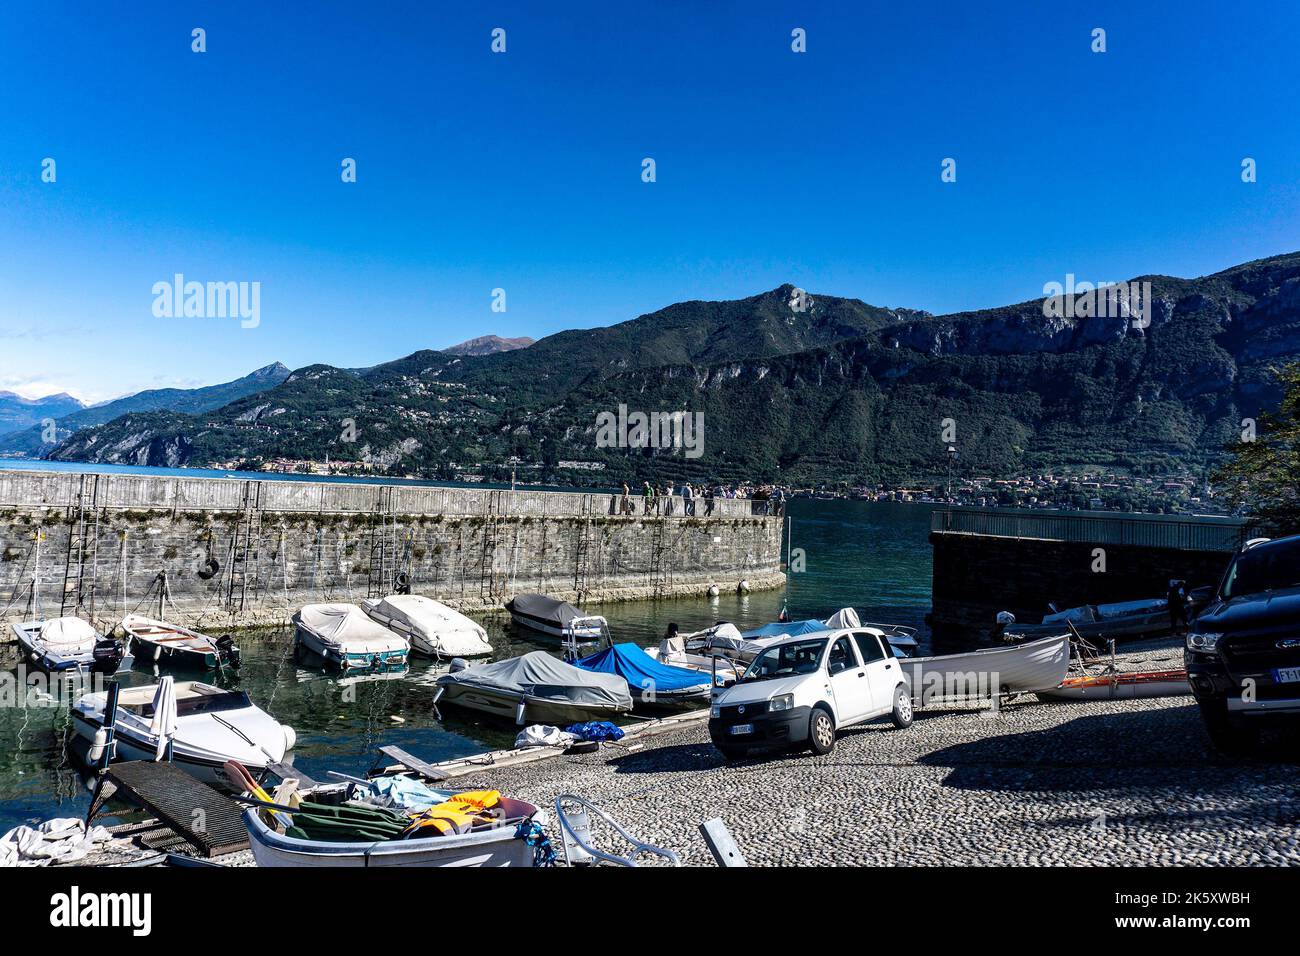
(242, 552)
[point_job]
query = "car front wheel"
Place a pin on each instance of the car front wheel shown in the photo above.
(821, 732)
(902, 715)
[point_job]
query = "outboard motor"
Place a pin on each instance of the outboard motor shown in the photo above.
(1003, 619)
(227, 650)
(108, 655)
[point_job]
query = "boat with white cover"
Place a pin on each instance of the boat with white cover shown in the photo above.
(536, 689)
(157, 642)
(989, 672)
(345, 637)
(67, 643)
(431, 628)
(206, 726)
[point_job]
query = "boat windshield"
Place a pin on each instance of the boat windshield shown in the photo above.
(1266, 567)
(786, 660)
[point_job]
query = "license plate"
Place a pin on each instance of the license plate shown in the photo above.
(1287, 675)
(742, 728)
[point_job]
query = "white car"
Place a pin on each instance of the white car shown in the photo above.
(798, 692)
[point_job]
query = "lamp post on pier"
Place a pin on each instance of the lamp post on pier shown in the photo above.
(952, 458)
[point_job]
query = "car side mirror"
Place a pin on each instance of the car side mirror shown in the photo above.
(729, 682)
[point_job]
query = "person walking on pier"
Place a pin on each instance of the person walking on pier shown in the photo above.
(668, 498)
(627, 499)
(648, 496)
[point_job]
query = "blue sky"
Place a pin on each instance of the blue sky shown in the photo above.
(522, 170)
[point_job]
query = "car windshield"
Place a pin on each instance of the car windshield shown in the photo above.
(786, 660)
(1265, 567)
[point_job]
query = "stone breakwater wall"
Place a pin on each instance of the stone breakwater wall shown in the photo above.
(242, 552)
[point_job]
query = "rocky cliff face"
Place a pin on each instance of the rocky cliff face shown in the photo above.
(838, 390)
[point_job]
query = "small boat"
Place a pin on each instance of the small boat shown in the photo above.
(989, 672)
(546, 615)
(158, 642)
(430, 627)
(335, 826)
(536, 689)
(346, 638)
(1099, 622)
(1121, 685)
(649, 681)
(67, 643)
(727, 640)
(210, 726)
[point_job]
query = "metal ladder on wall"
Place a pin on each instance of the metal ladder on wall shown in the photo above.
(582, 558)
(487, 585)
(377, 581)
(243, 548)
(658, 577)
(81, 549)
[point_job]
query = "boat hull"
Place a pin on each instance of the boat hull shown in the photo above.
(499, 847)
(1135, 686)
(348, 658)
(56, 660)
(990, 672)
(537, 710)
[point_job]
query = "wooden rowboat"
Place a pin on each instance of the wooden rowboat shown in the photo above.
(1131, 685)
(157, 642)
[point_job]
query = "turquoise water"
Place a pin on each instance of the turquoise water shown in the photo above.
(875, 557)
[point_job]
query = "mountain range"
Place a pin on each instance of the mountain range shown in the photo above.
(791, 387)
(26, 439)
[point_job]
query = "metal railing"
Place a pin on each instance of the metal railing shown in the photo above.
(1202, 533)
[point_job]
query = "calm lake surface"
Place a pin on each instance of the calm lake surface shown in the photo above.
(874, 557)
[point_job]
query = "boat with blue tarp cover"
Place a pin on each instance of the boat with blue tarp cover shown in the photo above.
(649, 681)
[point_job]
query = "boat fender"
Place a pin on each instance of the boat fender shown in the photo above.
(208, 569)
(457, 664)
(520, 713)
(743, 587)
(97, 746)
(290, 736)
(437, 694)
(713, 590)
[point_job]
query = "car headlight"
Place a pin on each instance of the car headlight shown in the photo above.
(1205, 641)
(784, 702)
(715, 710)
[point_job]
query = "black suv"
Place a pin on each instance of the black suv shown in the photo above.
(1243, 649)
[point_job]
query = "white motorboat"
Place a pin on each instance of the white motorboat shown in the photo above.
(206, 726)
(536, 689)
(549, 616)
(346, 638)
(989, 672)
(157, 642)
(431, 628)
(1099, 622)
(67, 643)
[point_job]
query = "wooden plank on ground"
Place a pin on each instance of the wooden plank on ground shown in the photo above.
(413, 763)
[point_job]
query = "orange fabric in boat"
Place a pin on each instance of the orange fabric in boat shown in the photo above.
(458, 814)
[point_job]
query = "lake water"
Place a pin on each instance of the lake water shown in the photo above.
(874, 557)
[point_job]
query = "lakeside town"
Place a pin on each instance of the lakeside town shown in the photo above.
(1077, 491)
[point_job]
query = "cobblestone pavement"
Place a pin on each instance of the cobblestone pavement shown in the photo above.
(1105, 783)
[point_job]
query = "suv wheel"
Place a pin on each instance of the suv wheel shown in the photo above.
(902, 715)
(1230, 735)
(821, 732)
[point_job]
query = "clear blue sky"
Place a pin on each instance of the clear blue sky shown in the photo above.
(522, 170)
